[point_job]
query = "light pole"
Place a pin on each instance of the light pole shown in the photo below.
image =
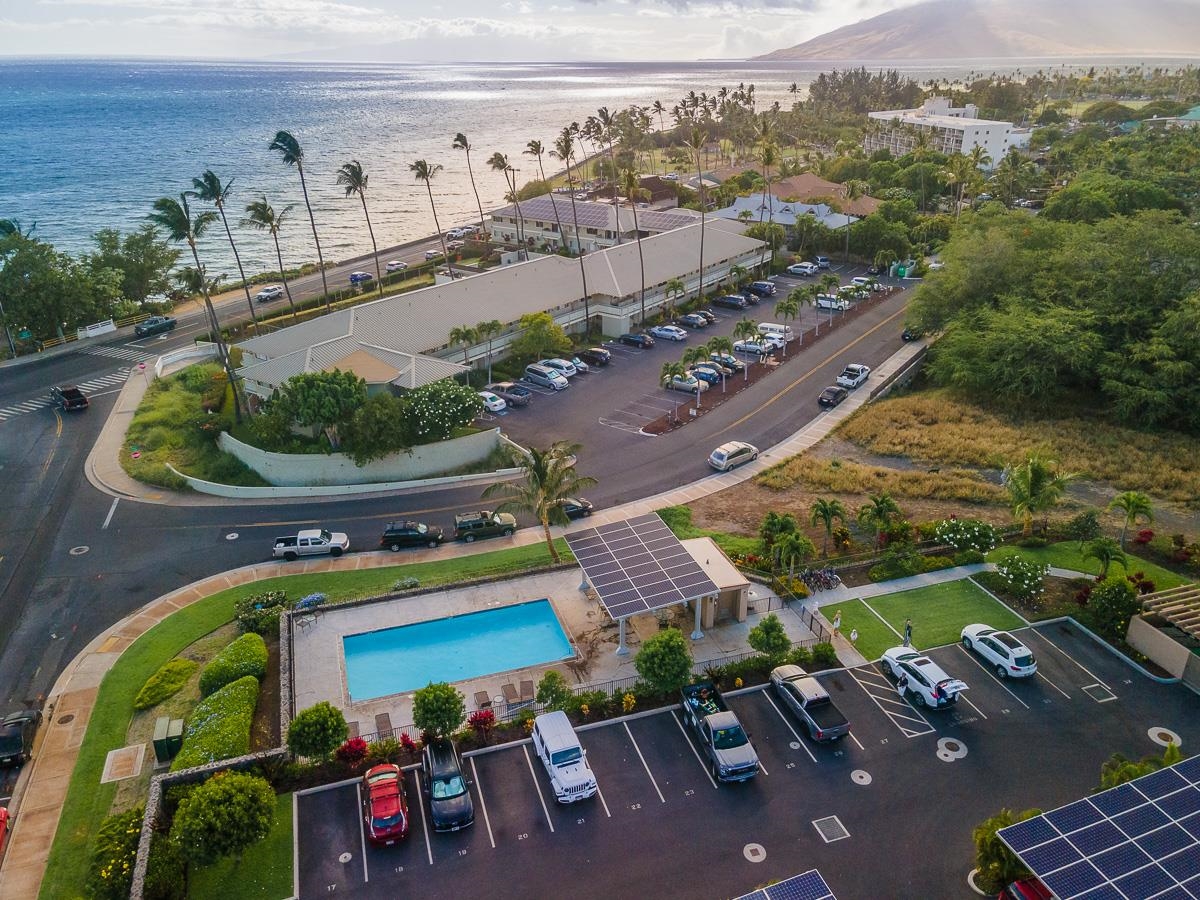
(12, 348)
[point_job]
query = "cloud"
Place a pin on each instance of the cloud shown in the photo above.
(728, 7)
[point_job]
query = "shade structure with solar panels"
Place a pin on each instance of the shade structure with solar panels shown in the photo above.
(1137, 841)
(809, 886)
(638, 566)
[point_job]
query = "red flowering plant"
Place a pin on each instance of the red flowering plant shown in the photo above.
(353, 751)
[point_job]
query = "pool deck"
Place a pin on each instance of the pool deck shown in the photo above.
(320, 668)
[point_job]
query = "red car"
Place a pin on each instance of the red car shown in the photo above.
(1025, 889)
(386, 807)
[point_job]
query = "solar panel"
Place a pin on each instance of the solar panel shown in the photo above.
(638, 565)
(809, 886)
(1134, 841)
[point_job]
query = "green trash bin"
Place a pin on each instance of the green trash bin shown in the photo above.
(162, 752)
(901, 271)
(174, 736)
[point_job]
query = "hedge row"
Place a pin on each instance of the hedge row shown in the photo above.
(166, 682)
(219, 726)
(245, 656)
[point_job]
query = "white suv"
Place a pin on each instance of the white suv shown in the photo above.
(828, 301)
(920, 679)
(558, 747)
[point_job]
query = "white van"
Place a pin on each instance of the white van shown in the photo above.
(781, 331)
(558, 747)
(827, 301)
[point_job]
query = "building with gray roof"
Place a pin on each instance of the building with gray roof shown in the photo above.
(600, 224)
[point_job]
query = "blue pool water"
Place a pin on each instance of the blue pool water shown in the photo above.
(395, 660)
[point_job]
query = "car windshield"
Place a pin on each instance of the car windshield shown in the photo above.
(728, 738)
(566, 757)
(447, 788)
(11, 742)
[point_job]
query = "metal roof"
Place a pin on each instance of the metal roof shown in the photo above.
(592, 214)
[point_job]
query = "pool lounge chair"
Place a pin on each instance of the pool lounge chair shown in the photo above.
(526, 691)
(510, 693)
(483, 700)
(383, 725)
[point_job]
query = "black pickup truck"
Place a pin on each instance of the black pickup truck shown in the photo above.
(810, 703)
(719, 733)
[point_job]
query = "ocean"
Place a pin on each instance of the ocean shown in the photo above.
(90, 144)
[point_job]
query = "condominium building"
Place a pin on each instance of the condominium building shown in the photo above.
(951, 129)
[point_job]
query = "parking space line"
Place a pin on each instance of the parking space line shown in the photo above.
(687, 739)
(971, 656)
(533, 775)
(1053, 685)
(857, 741)
(973, 706)
(483, 803)
(643, 759)
(603, 802)
(789, 726)
(1100, 681)
(424, 824)
(894, 716)
(362, 834)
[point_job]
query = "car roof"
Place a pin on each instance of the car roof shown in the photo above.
(442, 758)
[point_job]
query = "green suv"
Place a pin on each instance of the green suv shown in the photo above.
(483, 523)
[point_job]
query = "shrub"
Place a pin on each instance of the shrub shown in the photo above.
(997, 865)
(223, 816)
(824, 656)
(800, 656)
(934, 563)
(769, 638)
(438, 709)
(552, 690)
(967, 534)
(787, 584)
(1032, 542)
(219, 726)
(665, 661)
(260, 612)
(968, 558)
(1023, 578)
(1083, 527)
(482, 721)
(1112, 604)
(353, 751)
(166, 876)
(166, 682)
(1143, 537)
(383, 750)
(113, 856)
(753, 668)
(317, 731)
(245, 656)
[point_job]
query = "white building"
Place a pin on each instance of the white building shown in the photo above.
(600, 224)
(766, 207)
(951, 129)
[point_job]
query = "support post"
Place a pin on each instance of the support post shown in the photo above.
(622, 650)
(698, 634)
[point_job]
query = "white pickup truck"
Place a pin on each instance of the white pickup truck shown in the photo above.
(311, 542)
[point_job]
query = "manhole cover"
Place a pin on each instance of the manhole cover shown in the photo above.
(860, 776)
(756, 853)
(232, 536)
(795, 745)
(831, 829)
(67, 719)
(1164, 737)
(948, 749)
(79, 551)
(345, 858)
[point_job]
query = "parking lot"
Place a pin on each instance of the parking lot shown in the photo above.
(886, 812)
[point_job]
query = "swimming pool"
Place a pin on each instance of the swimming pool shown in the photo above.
(395, 660)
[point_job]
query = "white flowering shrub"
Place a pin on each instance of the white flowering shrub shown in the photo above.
(967, 534)
(1025, 578)
(437, 410)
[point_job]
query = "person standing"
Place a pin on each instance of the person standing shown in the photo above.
(908, 632)
(853, 635)
(837, 623)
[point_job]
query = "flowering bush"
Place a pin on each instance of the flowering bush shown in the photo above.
(111, 870)
(407, 743)
(482, 721)
(353, 751)
(1141, 583)
(1144, 537)
(1023, 577)
(967, 534)
(628, 702)
(433, 412)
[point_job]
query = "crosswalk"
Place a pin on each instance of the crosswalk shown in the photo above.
(131, 353)
(88, 387)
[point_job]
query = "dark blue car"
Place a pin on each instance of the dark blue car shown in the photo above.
(360, 277)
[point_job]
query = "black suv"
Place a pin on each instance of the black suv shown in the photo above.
(636, 340)
(410, 534)
(731, 301)
(68, 397)
(450, 805)
(762, 288)
(832, 396)
(595, 356)
(16, 736)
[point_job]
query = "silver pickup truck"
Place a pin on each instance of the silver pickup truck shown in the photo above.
(719, 733)
(311, 542)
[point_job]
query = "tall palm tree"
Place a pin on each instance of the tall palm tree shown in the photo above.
(658, 109)
(1106, 551)
(292, 154)
(461, 143)
(745, 330)
(787, 308)
(607, 134)
(670, 370)
(672, 291)
(536, 150)
(488, 330)
(827, 512)
(1135, 505)
(548, 477)
(738, 273)
(1035, 485)
(633, 189)
(878, 514)
(919, 151)
(352, 177)
(790, 548)
(564, 152)
(262, 216)
(808, 296)
(855, 188)
(175, 218)
(208, 188)
(692, 356)
(695, 144)
(499, 163)
(424, 171)
(467, 336)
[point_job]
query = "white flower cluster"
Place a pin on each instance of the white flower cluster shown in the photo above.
(966, 534)
(1023, 576)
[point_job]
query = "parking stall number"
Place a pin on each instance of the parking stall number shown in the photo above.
(522, 837)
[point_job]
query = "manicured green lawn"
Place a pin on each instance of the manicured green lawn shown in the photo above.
(939, 611)
(88, 801)
(873, 635)
(1066, 555)
(679, 520)
(264, 873)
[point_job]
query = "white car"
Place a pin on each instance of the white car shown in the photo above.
(564, 367)
(396, 265)
(761, 347)
(454, 234)
(827, 301)
(920, 679)
(669, 332)
(432, 254)
(469, 229)
(802, 268)
(1008, 656)
(455, 245)
(866, 283)
(685, 383)
(580, 365)
(492, 402)
(731, 455)
(271, 292)
(854, 375)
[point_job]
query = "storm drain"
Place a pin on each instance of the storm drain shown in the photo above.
(831, 829)
(1099, 692)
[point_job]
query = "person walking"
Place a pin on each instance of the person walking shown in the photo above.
(853, 635)
(908, 632)
(837, 623)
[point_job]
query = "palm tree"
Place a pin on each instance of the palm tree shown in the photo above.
(425, 172)
(1135, 505)
(719, 345)
(468, 337)
(670, 370)
(488, 330)
(1106, 551)
(352, 177)
(672, 291)
(878, 514)
(175, 218)
(691, 357)
(826, 512)
(535, 149)
(787, 308)
(695, 144)
(292, 154)
(632, 187)
(607, 133)
(790, 548)
(549, 476)
(208, 188)
(738, 273)
(1034, 486)
(499, 163)
(745, 330)
(564, 151)
(461, 143)
(262, 216)
(920, 150)
(855, 188)
(808, 296)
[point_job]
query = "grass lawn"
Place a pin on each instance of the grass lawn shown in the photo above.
(679, 520)
(88, 801)
(873, 635)
(264, 873)
(939, 611)
(1066, 555)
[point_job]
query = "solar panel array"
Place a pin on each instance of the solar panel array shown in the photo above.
(809, 886)
(1132, 842)
(638, 565)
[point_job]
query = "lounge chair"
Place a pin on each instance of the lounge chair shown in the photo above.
(383, 725)
(526, 691)
(510, 693)
(352, 729)
(483, 700)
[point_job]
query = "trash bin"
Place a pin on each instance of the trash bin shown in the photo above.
(175, 736)
(162, 752)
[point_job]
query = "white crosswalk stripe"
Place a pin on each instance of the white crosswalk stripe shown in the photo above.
(92, 385)
(120, 353)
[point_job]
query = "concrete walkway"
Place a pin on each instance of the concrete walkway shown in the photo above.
(42, 787)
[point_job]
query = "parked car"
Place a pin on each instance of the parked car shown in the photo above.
(728, 361)
(1008, 656)
(17, 731)
(868, 284)
(564, 367)
(576, 507)
(455, 245)
(669, 332)
(751, 299)
(822, 262)
(492, 402)
(854, 375)
(708, 376)
(803, 269)
(828, 301)
(762, 288)
(595, 356)
(874, 270)
(410, 534)
(731, 756)
(709, 316)
(693, 320)
(450, 804)
(715, 368)
(832, 396)
(433, 254)
(580, 365)
(1029, 888)
(68, 398)
(510, 392)
(731, 301)
(310, 542)
(396, 265)
(361, 277)
(454, 234)
(761, 347)
(732, 454)
(920, 679)
(557, 746)
(543, 376)
(384, 803)
(269, 293)
(684, 383)
(810, 703)
(470, 526)
(154, 325)
(637, 340)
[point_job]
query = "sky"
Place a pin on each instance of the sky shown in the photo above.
(433, 31)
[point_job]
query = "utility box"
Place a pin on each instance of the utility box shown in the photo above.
(174, 737)
(168, 738)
